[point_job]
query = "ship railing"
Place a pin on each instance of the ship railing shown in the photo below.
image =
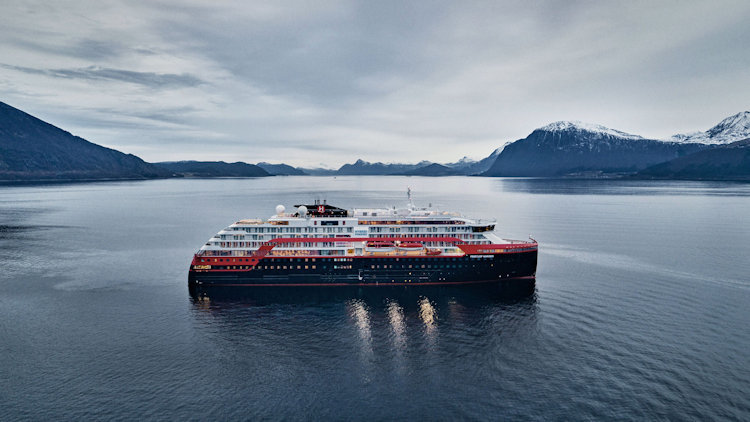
(485, 221)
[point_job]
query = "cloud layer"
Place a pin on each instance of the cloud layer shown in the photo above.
(332, 81)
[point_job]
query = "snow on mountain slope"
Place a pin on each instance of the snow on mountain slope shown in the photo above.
(731, 129)
(587, 127)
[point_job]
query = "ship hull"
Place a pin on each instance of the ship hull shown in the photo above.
(373, 271)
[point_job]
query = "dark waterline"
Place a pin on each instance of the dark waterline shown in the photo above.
(639, 310)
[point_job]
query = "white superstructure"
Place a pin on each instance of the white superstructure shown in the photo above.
(357, 232)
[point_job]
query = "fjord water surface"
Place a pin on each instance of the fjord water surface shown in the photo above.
(639, 311)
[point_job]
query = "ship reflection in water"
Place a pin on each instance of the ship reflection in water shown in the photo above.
(396, 330)
(423, 296)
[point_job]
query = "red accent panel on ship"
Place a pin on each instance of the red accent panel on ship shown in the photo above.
(252, 260)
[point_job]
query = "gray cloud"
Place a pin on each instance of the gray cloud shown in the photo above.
(335, 80)
(87, 49)
(149, 79)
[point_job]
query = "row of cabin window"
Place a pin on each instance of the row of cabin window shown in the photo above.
(344, 230)
(408, 222)
(284, 245)
(301, 260)
(460, 236)
(419, 229)
(337, 267)
(287, 230)
(265, 267)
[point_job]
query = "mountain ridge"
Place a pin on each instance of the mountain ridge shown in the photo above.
(731, 129)
(563, 148)
(191, 168)
(34, 150)
(281, 169)
(31, 149)
(724, 162)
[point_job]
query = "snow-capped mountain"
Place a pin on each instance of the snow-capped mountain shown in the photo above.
(731, 129)
(591, 130)
(565, 147)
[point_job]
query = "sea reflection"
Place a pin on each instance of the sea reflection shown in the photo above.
(379, 317)
(453, 297)
(359, 314)
(609, 186)
(398, 324)
(428, 315)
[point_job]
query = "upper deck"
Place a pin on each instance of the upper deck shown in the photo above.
(326, 230)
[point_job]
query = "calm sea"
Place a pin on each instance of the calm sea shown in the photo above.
(640, 310)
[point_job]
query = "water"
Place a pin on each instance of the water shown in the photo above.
(639, 311)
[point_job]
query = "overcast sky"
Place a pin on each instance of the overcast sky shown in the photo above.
(327, 82)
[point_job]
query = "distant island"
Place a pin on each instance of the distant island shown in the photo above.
(33, 150)
(212, 169)
(281, 169)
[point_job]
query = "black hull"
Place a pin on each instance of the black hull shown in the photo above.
(504, 291)
(373, 271)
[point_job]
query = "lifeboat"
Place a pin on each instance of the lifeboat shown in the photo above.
(379, 246)
(433, 252)
(410, 246)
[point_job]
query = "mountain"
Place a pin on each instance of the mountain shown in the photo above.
(433, 169)
(361, 167)
(731, 129)
(31, 149)
(463, 162)
(318, 171)
(213, 169)
(725, 162)
(281, 169)
(470, 167)
(565, 148)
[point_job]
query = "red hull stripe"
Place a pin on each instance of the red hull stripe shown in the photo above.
(434, 283)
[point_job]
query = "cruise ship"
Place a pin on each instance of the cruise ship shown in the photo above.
(323, 245)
